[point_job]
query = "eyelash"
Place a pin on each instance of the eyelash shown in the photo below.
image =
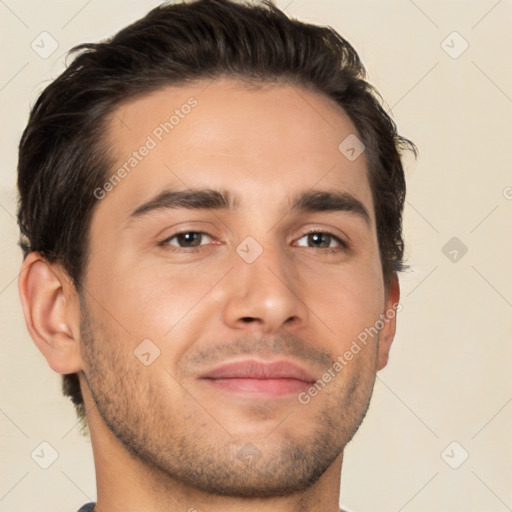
(343, 246)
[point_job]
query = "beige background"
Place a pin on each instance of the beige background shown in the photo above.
(449, 377)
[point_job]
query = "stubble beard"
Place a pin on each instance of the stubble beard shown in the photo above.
(177, 442)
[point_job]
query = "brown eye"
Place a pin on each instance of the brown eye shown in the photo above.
(321, 240)
(188, 239)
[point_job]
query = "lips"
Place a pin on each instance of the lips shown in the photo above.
(269, 379)
(259, 370)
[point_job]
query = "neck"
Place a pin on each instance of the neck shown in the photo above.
(126, 483)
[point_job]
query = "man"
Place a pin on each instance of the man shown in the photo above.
(210, 209)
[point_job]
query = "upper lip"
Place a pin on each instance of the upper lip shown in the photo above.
(254, 369)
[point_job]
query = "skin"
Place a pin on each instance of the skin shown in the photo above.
(164, 439)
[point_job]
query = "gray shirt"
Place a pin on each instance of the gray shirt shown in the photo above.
(89, 506)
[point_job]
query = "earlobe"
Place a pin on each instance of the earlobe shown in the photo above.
(51, 310)
(387, 333)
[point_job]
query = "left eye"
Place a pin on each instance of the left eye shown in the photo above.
(321, 240)
(187, 239)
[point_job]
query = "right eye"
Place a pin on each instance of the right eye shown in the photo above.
(185, 240)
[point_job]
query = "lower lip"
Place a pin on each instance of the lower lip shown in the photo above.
(269, 387)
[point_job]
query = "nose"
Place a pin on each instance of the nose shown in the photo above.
(264, 295)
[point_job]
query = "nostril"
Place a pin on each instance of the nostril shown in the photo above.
(248, 319)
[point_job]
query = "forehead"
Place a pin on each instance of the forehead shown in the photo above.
(265, 144)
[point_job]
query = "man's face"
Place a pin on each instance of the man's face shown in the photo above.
(301, 289)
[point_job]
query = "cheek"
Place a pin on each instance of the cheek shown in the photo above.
(347, 301)
(150, 301)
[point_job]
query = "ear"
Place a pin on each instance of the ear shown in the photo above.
(52, 312)
(387, 333)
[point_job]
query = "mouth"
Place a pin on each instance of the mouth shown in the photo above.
(267, 379)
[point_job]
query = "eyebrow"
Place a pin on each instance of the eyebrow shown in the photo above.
(211, 199)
